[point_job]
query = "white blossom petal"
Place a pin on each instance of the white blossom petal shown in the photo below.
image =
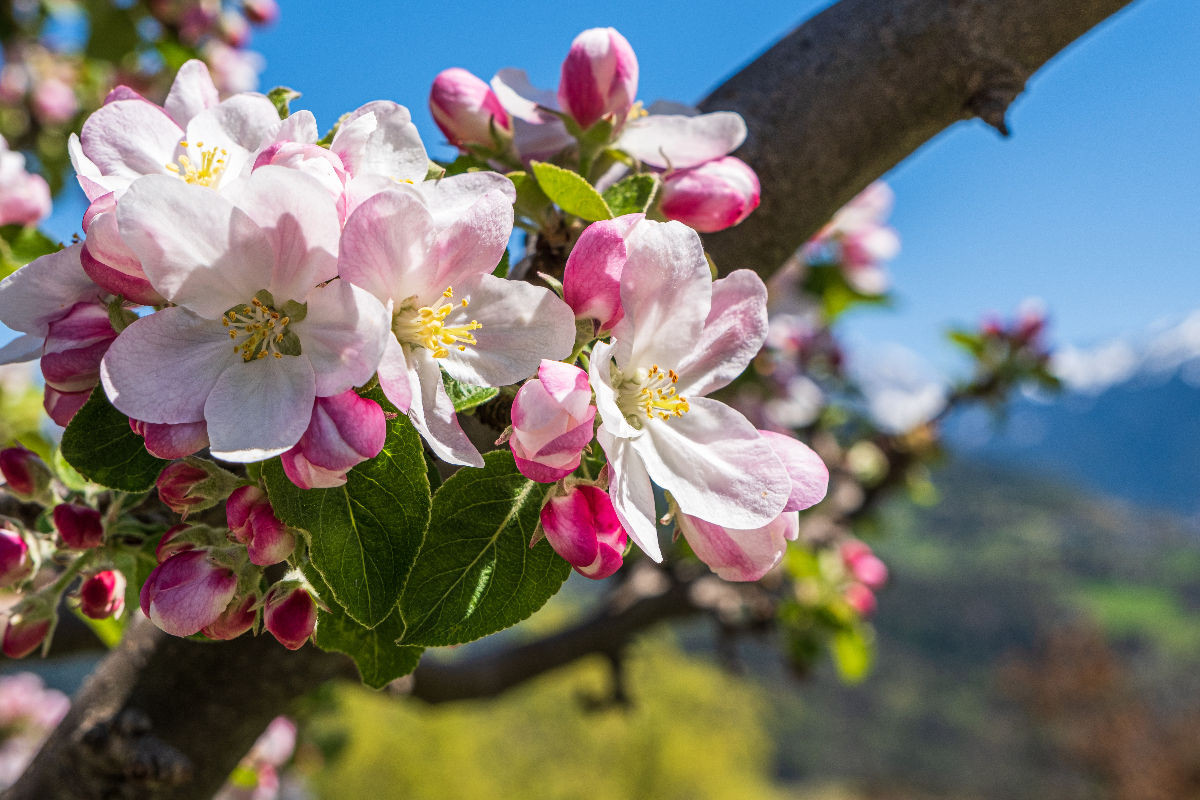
(259, 409)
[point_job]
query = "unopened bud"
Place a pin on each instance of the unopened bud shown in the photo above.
(102, 595)
(193, 485)
(79, 526)
(252, 522)
(467, 110)
(75, 344)
(187, 592)
(344, 430)
(599, 77)
(63, 406)
(582, 527)
(26, 474)
(861, 599)
(15, 561)
(25, 630)
(552, 422)
(289, 614)
(171, 440)
(714, 196)
(237, 618)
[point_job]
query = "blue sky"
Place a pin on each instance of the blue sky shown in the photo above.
(1093, 204)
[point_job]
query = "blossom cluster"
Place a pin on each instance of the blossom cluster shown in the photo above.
(243, 282)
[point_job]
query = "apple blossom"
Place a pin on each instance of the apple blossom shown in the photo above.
(24, 196)
(711, 197)
(102, 594)
(25, 474)
(448, 311)
(599, 77)
(592, 277)
(552, 422)
(682, 336)
(15, 561)
(861, 599)
(289, 614)
(344, 430)
(79, 526)
(858, 240)
(24, 630)
(747, 555)
(675, 136)
(256, 315)
(466, 109)
(237, 618)
(170, 441)
(187, 592)
(582, 526)
(864, 566)
(253, 523)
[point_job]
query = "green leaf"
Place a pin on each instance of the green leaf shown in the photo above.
(374, 651)
(853, 653)
(531, 200)
(114, 33)
(281, 97)
(571, 192)
(633, 195)
(364, 535)
(464, 163)
(20, 245)
(102, 447)
(464, 396)
(501, 270)
(477, 573)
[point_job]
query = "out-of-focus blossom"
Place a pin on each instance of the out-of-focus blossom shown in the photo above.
(552, 422)
(25, 629)
(714, 196)
(24, 196)
(265, 760)
(344, 430)
(28, 713)
(233, 70)
(582, 526)
(15, 561)
(54, 101)
(26, 475)
(861, 599)
(858, 240)
(864, 566)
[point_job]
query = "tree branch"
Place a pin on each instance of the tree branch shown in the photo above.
(857, 88)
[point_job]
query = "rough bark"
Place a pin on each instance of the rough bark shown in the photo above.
(856, 89)
(831, 107)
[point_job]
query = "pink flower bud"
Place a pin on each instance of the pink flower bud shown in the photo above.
(312, 159)
(24, 196)
(344, 430)
(79, 526)
(102, 595)
(178, 487)
(261, 12)
(466, 108)
(187, 592)
(599, 77)
(74, 346)
(63, 406)
(24, 471)
(592, 277)
(237, 618)
(15, 563)
(176, 540)
(252, 522)
(583, 528)
(552, 422)
(864, 566)
(234, 29)
(107, 259)
(24, 632)
(289, 614)
(861, 599)
(168, 440)
(54, 101)
(713, 196)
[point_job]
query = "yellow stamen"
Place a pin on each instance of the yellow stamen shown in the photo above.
(208, 172)
(428, 327)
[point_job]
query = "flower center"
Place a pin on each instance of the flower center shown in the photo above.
(212, 165)
(651, 393)
(427, 326)
(258, 330)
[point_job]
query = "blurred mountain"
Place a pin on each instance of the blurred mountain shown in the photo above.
(1126, 425)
